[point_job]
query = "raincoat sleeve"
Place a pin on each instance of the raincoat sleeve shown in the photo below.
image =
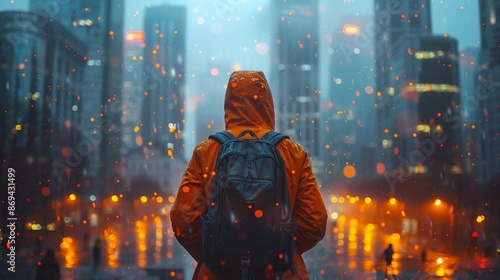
(189, 204)
(310, 210)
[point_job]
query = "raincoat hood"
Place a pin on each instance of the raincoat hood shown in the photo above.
(248, 103)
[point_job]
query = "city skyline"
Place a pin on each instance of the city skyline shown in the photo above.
(395, 103)
(198, 115)
(194, 96)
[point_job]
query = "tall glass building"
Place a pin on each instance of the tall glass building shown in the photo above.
(163, 117)
(417, 92)
(295, 74)
(487, 93)
(41, 71)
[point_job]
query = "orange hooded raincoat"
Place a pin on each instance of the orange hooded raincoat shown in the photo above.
(249, 106)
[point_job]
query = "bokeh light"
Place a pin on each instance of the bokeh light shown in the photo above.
(349, 171)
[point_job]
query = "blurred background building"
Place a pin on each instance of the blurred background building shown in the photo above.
(100, 26)
(295, 74)
(163, 119)
(42, 68)
(418, 90)
(347, 113)
(133, 89)
(488, 86)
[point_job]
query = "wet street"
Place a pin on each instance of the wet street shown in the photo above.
(351, 250)
(127, 247)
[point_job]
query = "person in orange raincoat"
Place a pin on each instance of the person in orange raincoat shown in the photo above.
(249, 105)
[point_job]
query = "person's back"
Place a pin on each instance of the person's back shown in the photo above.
(249, 106)
(48, 268)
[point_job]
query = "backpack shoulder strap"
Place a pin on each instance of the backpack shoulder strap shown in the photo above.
(274, 137)
(222, 136)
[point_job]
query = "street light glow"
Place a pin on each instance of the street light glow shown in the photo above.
(480, 218)
(135, 36)
(351, 29)
(437, 202)
(72, 196)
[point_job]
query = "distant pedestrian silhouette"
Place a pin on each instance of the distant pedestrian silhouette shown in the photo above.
(424, 255)
(388, 256)
(96, 252)
(48, 268)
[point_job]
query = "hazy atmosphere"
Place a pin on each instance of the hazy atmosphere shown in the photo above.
(102, 103)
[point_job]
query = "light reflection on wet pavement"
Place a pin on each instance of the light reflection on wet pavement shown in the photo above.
(351, 251)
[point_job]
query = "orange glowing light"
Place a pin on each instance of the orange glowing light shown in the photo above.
(45, 191)
(380, 168)
(350, 29)
(258, 213)
(349, 171)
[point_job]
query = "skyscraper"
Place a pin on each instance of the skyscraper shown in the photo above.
(438, 90)
(487, 92)
(163, 116)
(295, 73)
(111, 100)
(471, 145)
(133, 89)
(100, 25)
(347, 112)
(417, 91)
(41, 69)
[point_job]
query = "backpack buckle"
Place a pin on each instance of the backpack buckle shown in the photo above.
(245, 261)
(245, 264)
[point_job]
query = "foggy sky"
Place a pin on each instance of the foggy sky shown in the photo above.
(221, 33)
(457, 18)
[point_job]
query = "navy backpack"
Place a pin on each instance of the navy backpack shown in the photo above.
(247, 231)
